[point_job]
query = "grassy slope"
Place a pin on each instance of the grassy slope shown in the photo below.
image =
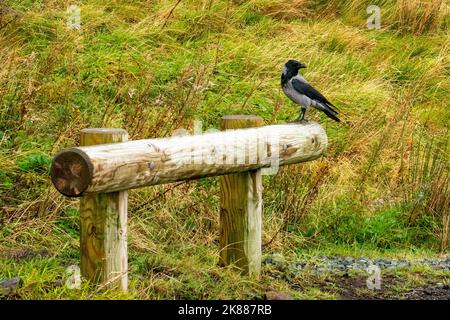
(124, 69)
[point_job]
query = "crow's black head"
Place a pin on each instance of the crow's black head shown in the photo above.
(294, 65)
(290, 69)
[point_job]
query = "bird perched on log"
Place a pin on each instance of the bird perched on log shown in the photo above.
(302, 93)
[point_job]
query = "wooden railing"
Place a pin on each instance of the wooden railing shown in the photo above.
(107, 165)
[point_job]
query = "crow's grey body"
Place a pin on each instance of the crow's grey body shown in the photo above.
(300, 99)
(302, 93)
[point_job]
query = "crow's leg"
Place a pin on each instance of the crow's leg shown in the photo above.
(301, 117)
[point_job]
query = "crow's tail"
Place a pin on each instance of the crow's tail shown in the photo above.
(331, 113)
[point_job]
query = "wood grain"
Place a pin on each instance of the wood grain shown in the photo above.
(103, 242)
(241, 210)
(133, 164)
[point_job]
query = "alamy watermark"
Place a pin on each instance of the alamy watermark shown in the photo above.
(374, 280)
(234, 148)
(74, 17)
(73, 280)
(374, 20)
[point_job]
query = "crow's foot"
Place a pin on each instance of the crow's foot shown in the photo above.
(298, 121)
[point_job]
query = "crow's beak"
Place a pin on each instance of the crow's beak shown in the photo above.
(301, 65)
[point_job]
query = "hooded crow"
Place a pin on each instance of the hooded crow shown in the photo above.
(302, 93)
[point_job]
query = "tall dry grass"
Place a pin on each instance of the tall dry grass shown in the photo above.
(406, 16)
(419, 16)
(427, 185)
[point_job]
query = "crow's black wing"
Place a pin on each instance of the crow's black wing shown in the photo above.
(309, 91)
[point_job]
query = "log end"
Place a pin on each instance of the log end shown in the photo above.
(71, 172)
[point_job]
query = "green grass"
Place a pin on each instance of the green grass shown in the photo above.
(131, 66)
(191, 272)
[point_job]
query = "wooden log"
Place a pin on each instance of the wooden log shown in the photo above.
(133, 164)
(103, 242)
(241, 210)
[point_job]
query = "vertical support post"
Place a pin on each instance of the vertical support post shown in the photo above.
(103, 243)
(241, 209)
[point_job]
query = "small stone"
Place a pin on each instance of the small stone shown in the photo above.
(275, 259)
(296, 267)
(341, 267)
(403, 263)
(354, 266)
(361, 261)
(274, 295)
(8, 287)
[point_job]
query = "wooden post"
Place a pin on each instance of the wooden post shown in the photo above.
(103, 240)
(241, 209)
